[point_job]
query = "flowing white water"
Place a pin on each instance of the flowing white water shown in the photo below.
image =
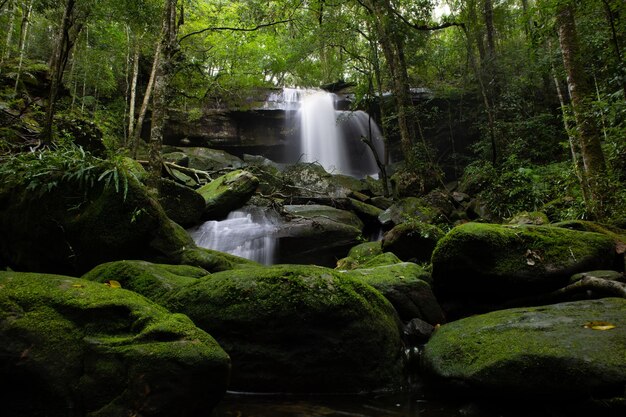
(329, 137)
(247, 233)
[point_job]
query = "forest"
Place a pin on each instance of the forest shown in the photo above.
(171, 233)
(546, 78)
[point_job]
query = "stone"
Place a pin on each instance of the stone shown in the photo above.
(533, 217)
(488, 262)
(567, 351)
(406, 286)
(294, 328)
(69, 345)
(227, 193)
(182, 204)
(411, 208)
(317, 234)
(151, 280)
(206, 159)
(412, 241)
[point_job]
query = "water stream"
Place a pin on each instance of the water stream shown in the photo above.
(249, 233)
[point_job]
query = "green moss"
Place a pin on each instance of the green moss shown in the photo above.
(360, 254)
(148, 279)
(228, 193)
(297, 328)
(412, 240)
(491, 259)
(534, 351)
(71, 341)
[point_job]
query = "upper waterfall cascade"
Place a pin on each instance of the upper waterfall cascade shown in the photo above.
(330, 137)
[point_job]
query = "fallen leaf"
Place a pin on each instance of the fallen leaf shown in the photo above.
(599, 325)
(78, 285)
(113, 283)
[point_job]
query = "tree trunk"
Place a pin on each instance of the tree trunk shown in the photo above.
(394, 55)
(26, 12)
(59, 59)
(163, 76)
(581, 93)
(146, 100)
(7, 48)
(133, 91)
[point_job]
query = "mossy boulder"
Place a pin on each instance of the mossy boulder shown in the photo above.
(227, 193)
(412, 241)
(480, 261)
(406, 286)
(366, 212)
(292, 328)
(549, 352)
(152, 281)
(408, 209)
(205, 159)
(533, 217)
(72, 346)
(73, 228)
(181, 204)
(360, 254)
(317, 234)
(311, 180)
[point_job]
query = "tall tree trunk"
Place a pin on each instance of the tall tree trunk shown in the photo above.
(581, 93)
(610, 16)
(7, 48)
(26, 12)
(164, 73)
(394, 55)
(59, 59)
(133, 90)
(146, 100)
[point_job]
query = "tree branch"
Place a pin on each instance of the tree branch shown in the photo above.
(426, 27)
(233, 29)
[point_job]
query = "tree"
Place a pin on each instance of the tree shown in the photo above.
(581, 93)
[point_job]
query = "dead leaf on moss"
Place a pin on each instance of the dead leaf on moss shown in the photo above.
(113, 283)
(599, 325)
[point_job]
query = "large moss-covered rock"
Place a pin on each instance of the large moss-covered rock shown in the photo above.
(73, 347)
(317, 234)
(181, 204)
(359, 255)
(227, 193)
(406, 286)
(152, 281)
(487, 261)
(297, 328)
(73, 229)
(574, 349)
(408, 209)
(206, 159)
(412, 241)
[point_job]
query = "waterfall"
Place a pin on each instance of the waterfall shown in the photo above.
(248, 233)
(328, 136)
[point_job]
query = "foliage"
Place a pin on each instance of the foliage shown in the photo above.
(43, 171)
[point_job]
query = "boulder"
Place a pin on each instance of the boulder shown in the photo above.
(206, 159)
(227, 193)
(487, 262)
(317, 234)
(311, 180)
(75, 228)
(176, 157)
(152, 281)
(292, 328)
(181, 204)
(569, 350)
(412, 241)
(360, 254)
(532, 217)
(407, 209)
(72, 346)
(406, 286)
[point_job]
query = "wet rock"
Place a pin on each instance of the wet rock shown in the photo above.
(360, 254)
(77, 228)
(151, 280)
(70, 345)
(493, 263)
(317, 234)
(181, 204)
(295, 328)
(412, 241)
(177, 157)
(206, 159)
(406, 286)
(568, 350)
(533, 217)
(417, 332)
(227, 193)
(411, 208)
